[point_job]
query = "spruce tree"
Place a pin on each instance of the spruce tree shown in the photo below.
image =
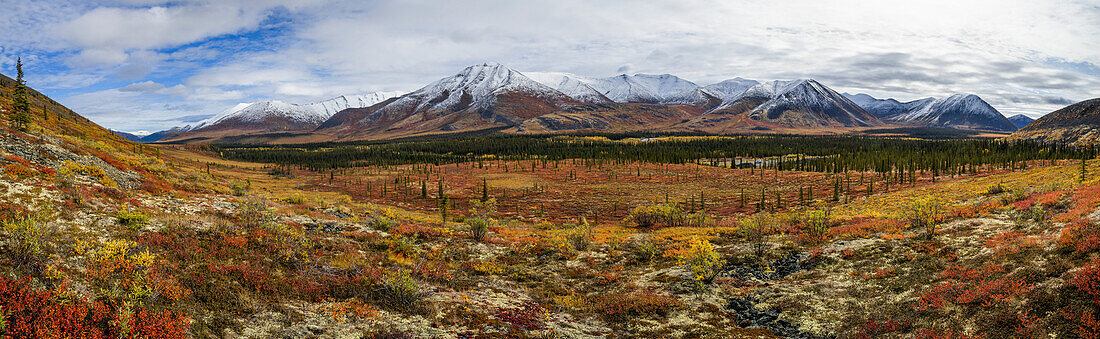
(20, 116)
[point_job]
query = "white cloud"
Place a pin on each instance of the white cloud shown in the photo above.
(1000, 50)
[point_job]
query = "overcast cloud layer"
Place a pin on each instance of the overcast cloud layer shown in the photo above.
(147, 65)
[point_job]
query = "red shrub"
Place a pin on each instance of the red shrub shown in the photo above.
(878, 329)
(42, 313)
(529, 316)
(18, 159)
(1082, 235)
(1087, 324)
(1088, 280)
(973, 286)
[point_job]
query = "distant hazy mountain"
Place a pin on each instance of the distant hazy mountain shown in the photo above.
(272, 116)
(1020, 120)
(128, 136)
(965, 111)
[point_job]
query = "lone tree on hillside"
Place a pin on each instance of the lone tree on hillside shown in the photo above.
(20, 115)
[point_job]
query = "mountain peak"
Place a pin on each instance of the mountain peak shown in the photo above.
(963, 110)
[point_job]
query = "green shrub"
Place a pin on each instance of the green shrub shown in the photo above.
(644, 250)
(382, 223)
(578, 236)
(295, 199)
(240, 188)
(996, 189)
(478, 228)
(926, 213)
(132, 219)
(754, 229)
(399, 291)
(702, 260)
(666, 215)
(25, 237)
(253, 213)
(816, 226)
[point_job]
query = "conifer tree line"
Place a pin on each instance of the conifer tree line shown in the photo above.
(832, 154)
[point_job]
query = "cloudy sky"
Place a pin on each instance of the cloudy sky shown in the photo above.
(147, 65)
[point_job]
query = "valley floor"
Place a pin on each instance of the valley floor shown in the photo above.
(536, 249)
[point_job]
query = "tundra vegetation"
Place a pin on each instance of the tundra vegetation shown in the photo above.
(545, 236)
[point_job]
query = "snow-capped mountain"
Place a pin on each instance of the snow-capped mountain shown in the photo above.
(571, 85)
(663, 89)
(271, 116)
(478, 97)
(957, 111)
(1020, 120)
(731, 89)
(308, 114)
(805, 103)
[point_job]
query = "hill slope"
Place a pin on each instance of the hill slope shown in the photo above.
(1077, 124)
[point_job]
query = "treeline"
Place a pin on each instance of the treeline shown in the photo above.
(806, 153)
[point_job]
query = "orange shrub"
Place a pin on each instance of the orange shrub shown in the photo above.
(18, 159)
(18, 171)
(973, 286)
(42, 313)
(1082, 235)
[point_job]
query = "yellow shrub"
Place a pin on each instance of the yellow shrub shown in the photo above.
(657, 215)
(701, 259)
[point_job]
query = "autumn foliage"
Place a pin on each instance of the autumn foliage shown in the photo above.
(47, 313)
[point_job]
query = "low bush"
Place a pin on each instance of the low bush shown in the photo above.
(665, 215)
(478, 228)
(398, 291)
(925, 213)
(132, 219)
(1082, 235)
(701, 260)
(624, 305)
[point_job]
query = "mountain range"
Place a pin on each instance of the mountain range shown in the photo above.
(964, 111)
(491, 96)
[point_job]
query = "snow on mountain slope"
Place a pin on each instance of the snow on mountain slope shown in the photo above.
(956, 111)
(312, 113)
(475, 86)
(884, 108)
(574, 86)
(804, 103)
(481, 96)
(645, 88)
(731, 89)
(340, 103)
